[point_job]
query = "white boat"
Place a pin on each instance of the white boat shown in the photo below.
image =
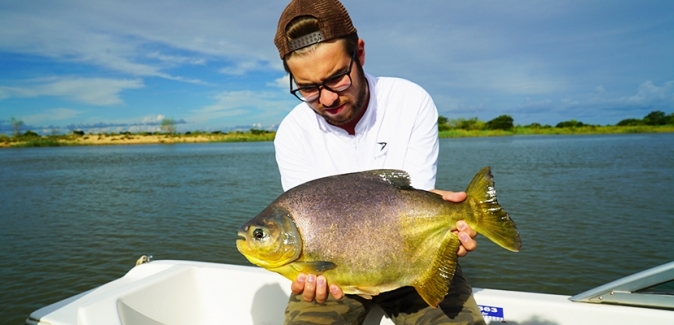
(187, 292)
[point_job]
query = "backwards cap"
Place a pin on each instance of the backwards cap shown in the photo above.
(333, 20)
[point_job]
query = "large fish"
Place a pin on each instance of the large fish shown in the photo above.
(371, 232)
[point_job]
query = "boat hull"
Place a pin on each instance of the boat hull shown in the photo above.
(186, 292)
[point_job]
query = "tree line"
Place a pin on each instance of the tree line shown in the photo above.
(506, 122)
(503, 122)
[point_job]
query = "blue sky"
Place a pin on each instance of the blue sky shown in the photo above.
(112, 66)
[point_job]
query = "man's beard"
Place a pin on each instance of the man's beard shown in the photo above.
(358, 105)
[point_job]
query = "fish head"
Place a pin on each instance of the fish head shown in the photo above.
(271, 239)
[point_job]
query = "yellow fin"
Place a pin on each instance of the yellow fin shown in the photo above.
(490, 220)
(318, 267)
(365, 292)
(433, 285)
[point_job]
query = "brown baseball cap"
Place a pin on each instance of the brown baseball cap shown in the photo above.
(333, 20)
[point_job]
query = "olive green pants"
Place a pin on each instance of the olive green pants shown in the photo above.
(403, 306)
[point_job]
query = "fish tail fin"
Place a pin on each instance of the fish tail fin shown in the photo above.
(490, 219)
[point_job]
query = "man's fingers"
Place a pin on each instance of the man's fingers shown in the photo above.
(462, 226)
(309, 292)
(455, 197)
(466, 235)
(468, 244)
(297, 286)
(336, 292)
(315, 288)
(321, 289)
(309, 288)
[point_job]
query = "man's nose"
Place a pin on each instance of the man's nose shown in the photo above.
(327, 97)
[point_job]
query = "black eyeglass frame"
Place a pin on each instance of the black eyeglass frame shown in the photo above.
(324, 83)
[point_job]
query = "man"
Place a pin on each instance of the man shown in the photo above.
(349, 121)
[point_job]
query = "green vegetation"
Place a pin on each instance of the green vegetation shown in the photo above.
(79, 138)
(29, 139)
(654, 122)
(168, 125)
(16, 126)
(503, 122)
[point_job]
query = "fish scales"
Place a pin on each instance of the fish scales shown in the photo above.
(342, 231)
(371, 232)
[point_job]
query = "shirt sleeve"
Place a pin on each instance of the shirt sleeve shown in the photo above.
(421, 160)
(290, 155)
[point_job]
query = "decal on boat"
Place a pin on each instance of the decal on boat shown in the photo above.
(492, 313)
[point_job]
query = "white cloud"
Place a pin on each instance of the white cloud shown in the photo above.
(53, 114)
(122, 35)
(609, 108)
(282, 83)
(594, 106)
(96, 91)
(244, 107)
(176, 59)
(599, 90)
(649, 94)
(241, 68)
(480, 57)
(152, 119)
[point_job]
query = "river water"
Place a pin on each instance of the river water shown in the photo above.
(590, 209)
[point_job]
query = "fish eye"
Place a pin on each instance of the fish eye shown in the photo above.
(258, 233)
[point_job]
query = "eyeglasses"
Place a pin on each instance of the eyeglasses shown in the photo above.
(336, 83)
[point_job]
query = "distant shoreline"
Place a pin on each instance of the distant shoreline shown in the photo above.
(155, 138)
(131, 139)
(581, 130)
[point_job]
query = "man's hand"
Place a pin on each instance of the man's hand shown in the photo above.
(465, 233)
(313, 287)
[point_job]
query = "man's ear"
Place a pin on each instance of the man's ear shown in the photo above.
(361, 51)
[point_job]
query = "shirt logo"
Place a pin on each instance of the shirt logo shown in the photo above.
(383, 151)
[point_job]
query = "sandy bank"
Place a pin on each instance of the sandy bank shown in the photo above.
(133, 139)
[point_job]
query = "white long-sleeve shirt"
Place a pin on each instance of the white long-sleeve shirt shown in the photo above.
(398, 131)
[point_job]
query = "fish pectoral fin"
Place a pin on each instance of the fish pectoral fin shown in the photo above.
(433, 285)
(318, 267)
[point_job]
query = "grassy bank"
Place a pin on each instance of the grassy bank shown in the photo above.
(461, 133)
(153, 138)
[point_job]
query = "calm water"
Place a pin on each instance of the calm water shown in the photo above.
(590, 209)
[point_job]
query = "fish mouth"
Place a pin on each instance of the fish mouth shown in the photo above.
(241, 237)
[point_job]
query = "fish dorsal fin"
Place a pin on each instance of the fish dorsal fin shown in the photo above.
(433, 284)
(399, 178)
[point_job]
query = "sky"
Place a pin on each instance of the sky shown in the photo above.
(114, 66)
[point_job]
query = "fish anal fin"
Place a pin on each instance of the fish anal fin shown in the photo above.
(364, 292)
(317, 267)
(433, 285)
